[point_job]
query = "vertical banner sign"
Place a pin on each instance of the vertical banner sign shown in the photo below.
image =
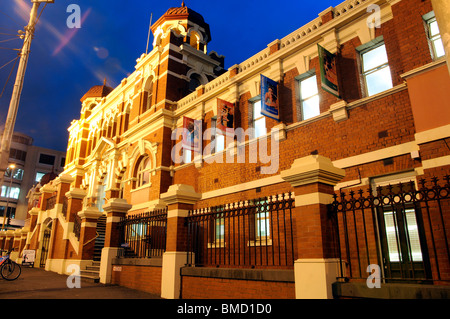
(328, 71)
(192, 134)
(225, 117)
(269, 98)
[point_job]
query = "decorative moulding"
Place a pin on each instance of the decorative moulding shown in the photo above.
(339, 111)
(313, 169)
(180, 193)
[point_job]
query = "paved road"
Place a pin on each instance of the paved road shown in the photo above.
(37, 283)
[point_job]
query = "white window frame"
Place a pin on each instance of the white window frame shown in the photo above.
(301, 80)
(365, 73)
(257, 118)
(434, 38)
(143, 169)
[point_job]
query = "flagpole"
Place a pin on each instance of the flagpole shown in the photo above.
(149, 30)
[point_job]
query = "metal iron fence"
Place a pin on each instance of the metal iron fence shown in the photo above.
(143, 235)
(401, 228)
(248, 234)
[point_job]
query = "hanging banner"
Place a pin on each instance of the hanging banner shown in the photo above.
(269, 98)
(328, 71)
(225, 117)
(192, 134)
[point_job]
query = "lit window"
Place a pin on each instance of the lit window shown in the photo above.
(187, 156)
(392, 233)
(259, 121)
(12, 192)
(376, 71)
(220, 142)
(17, 173)
(143, 172)
(262, 221)
(309, 96)
(435, 38)
(39, 175)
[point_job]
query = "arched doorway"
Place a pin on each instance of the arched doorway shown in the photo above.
(45, 244)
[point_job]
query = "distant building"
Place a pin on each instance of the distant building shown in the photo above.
(31, 164)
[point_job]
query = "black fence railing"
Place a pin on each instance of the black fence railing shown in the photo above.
(403, 229)
(249, 234)
(143, 235)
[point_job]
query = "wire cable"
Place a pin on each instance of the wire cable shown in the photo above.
(9, 77)
(1, 67)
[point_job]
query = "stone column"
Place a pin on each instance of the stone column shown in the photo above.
(115, 209)
(313, 178)
(179, 199)
(441, 10)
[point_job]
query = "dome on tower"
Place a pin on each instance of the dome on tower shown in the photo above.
(184, 13)
(97, 91)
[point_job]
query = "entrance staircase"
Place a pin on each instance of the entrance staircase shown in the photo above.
(92, 272)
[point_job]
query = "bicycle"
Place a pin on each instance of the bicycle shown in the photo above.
(9, 270)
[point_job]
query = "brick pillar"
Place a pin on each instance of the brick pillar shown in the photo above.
(179, 199)
(313, 178)
(16, 244)
(9, 239)
(115, 209)
(74, 203)
(89, 217)
(34, 215)
(23, 240)
(62, 184)
(47, 191)
(2, 239)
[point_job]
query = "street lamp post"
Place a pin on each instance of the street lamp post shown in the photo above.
(18, 85)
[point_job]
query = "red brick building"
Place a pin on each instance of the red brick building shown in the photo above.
(256, 215)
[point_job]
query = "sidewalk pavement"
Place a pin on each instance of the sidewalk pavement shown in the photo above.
(35, 283)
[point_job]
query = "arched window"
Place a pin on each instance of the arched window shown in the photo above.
(195, 40)
(148, 95)
(143, 172)
(127, 117)
(194, 83)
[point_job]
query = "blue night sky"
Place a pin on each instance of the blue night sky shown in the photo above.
(64, 63)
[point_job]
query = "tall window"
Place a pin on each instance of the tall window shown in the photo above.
(375, 70)
(309, 97)
(258, 121)
(101, 193)
(143, 172)
(217, 139)
(435, 38)
(148, 95)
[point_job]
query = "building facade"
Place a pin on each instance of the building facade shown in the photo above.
(275, 208)
(31, 163)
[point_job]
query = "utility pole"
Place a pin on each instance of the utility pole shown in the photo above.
(18, 85)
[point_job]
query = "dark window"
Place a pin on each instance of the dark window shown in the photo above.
(17, 154)
(47, 159)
